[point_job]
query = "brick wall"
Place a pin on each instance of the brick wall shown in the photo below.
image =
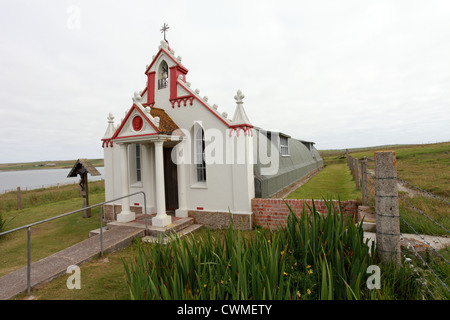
(273, 213)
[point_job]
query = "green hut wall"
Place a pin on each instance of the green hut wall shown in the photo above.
(303, 158)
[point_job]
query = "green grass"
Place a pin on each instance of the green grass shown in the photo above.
(49, 237)
(102, 278)
(37, 197)
(333, 182)
(426, 166)
(59, 164)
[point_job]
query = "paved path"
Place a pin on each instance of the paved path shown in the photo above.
(55, 265)
(436, 242)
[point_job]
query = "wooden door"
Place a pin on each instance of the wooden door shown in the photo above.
(170, 180)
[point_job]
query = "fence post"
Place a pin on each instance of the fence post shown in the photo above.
(19, 199)
(357, 174)
(387, 208)
(364, 187)
(350, 164)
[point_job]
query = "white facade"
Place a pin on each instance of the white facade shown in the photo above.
(156, 146)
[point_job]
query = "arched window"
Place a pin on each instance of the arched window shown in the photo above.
(163, 75)
(199, 152)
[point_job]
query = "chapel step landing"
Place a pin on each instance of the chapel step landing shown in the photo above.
(168, 237)
(179, 226)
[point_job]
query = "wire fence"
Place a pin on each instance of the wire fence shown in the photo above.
(370, 189)
(414, 231)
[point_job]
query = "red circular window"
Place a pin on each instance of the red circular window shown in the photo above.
(137, 123)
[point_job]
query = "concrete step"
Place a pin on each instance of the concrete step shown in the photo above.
(174, 227)
(168, 237)
(366, 213)
(97, 231)
(369, 226)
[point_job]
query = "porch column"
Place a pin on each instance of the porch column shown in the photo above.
(161, 219)
(181, 181)
(147, 177)
(125, 215)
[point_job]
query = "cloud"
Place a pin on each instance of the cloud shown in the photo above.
(342, 74)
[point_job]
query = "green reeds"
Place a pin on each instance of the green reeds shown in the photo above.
(314, 256)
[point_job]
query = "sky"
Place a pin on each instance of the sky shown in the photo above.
(343, 74)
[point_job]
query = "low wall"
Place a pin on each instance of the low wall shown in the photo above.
(273, 213)
(112, 210)
(221, 220)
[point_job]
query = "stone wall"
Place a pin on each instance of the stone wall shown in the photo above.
(222, 220)
(273, 213)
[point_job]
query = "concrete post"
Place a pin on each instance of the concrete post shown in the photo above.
(353, 168)
(125, 215)
(148, 176)
(182, 184)
(161, 219)
(387, 208)
(350, 164)
(364, 187)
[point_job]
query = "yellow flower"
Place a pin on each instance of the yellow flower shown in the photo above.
(310, 271)
(308, 291)
(221, 281)
(282, 252)
(285, 273)
(204, 286)
(308, 266)
(298, 294)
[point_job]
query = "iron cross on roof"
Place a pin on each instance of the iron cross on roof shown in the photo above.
(164, 29)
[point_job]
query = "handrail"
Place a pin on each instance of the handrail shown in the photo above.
(28, 227)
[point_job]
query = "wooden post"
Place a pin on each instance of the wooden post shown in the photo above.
(357, 174)
(85, 193)
(387, 208)
(19, 199)
(364, 187)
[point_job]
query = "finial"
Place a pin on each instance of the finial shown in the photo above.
(137, 97)
(164, 29)
(110, 118)
(239, 96)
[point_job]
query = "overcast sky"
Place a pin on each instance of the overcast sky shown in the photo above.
(340, 73)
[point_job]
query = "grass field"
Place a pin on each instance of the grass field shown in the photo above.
(49, 237)
(59, 164)
(425, 166)
(333, 182)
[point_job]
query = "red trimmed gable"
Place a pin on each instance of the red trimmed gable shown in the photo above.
(136, 124)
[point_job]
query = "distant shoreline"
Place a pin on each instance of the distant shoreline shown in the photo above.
(37, 165)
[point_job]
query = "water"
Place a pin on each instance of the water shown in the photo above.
(34, 179)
